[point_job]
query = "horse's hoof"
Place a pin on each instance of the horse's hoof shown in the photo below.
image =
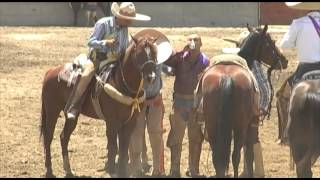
(50, 175)
(113, 175)
(70, 175)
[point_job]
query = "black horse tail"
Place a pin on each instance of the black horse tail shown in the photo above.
(311, 108)
(223, 134)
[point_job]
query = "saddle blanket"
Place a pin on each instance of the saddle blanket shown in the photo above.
(233, 59)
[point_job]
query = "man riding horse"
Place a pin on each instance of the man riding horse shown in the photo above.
(303, 34)
(108, 40)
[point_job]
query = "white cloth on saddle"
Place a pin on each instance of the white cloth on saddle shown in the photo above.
(68, 75)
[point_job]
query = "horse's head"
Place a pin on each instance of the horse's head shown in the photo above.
(264, 49)
(145, 57)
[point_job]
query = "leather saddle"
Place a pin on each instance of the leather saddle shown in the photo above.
(71, 71)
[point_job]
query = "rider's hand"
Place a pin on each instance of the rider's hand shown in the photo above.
(111, 42)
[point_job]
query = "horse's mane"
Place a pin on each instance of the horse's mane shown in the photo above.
(246, 48)
(125, 54)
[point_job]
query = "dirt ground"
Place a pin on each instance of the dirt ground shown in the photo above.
(26, 53)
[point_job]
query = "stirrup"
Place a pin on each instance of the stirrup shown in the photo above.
(71, 116)
(71, 113)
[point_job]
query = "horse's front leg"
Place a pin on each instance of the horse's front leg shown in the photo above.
(69, 127)
(112, 149)
(124, 140)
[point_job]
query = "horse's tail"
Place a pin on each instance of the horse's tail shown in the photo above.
(311, 107)
(307, 111)
(43, 111)
(43, 122)
(224, 123)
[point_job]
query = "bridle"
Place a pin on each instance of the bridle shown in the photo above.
(271, 67)
(274, 53)
(150, 60)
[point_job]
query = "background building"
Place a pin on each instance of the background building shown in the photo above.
(164, 14)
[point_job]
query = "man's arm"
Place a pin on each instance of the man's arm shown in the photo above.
(173, 59)
(95, 39)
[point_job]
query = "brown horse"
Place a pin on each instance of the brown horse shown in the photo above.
(136, 64)
(230, 101)
(304, 129)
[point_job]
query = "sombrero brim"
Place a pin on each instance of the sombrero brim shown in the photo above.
(163, 44)
(137, 17)
(230, 50)
(304, 5)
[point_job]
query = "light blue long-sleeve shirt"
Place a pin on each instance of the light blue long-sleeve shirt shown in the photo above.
(106, 28)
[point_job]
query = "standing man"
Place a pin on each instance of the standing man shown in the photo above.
(91, 8)
(152, 114)
(304, 35)
(108, 40)
(187, 66)
(150, 117)
(75, 6)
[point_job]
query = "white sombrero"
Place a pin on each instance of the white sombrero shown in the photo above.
(163, 44)
(127, 10)
(304, 5)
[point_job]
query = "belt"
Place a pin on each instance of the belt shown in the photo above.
(153, 99)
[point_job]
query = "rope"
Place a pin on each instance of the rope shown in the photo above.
(135, 101)
(135, 104)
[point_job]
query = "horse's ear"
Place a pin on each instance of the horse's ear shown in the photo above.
(249, 28)
(233, 41)
(153, 40)
(134, 39)
(265, 29)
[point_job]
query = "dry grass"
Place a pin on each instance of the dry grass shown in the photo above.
(26, 53)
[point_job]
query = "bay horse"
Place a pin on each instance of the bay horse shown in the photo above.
(231, 103)
(135, 65)
(304, 129)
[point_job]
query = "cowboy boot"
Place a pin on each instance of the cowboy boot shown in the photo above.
(76, 101)
(175, 161)
(258, 162)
